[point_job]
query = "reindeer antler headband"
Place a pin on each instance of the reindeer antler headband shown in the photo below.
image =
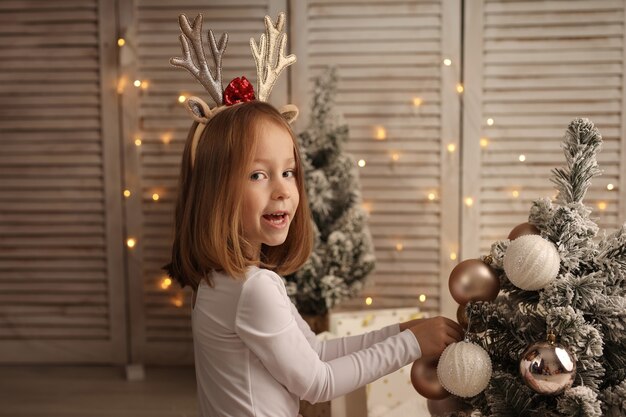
(270, 59)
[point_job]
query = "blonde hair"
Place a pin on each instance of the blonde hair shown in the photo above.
(207, 222)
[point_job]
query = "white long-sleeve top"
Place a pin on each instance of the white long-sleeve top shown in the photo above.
(256, 357)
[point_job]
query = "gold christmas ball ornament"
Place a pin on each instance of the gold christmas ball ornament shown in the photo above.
(425, 381)
(522, 230)
(473, 280)
(531, 262)
(547, 368)
(464, 369)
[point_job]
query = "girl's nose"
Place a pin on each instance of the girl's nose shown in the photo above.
(281, 191)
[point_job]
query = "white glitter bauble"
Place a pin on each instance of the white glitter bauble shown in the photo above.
(531, 262)
(464, 369)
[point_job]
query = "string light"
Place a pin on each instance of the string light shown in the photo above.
(166, 138)
(137, 142)
(369, 301)
(469, 201)
(484, 142)
(144, 85)
(126, 193)
(447, 62)
(453, 256)
(178, 301)
(422, 297)
(361, 163)
(121, 85)
(131, 242)
(417, 101)
(182, 98)
(137, 83)
(155, 197)
(395, 157)
(610, 187)
(522, 158)
(121, 42)
(431, 196)
(381, 133)
(399, 247)
(490, 122)
(367, 206)
(515, 193)
(451, 147)
(459, 88)
(602, 205)
(166, 283)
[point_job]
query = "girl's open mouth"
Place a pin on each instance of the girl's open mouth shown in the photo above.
(278, 220)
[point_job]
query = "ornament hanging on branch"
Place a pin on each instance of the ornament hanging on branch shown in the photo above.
(523, 230)
(464, 369)
(547, 367)
(473, 280)
(425, 381)
(531, 262)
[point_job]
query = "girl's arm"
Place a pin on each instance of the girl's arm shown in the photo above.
(265, 323)
(335, 348)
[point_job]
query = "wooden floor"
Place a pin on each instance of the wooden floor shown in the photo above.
(85, 391)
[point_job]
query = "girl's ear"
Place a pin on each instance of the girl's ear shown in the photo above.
(199, 110)
(289, 112)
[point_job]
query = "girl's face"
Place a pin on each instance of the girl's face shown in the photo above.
(270, 196)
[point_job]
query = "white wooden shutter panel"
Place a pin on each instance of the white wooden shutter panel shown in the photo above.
(387, 55)
(532, 67)
(61, 286)
(163, 319)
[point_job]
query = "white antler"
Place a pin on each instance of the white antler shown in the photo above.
(270, 56)
(200, 69)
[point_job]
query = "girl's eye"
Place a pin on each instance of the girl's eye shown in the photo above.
(255, 176)
(289, 174)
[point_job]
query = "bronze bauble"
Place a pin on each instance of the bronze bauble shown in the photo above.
(547, 368)
(473, 280)
(523, 229)
(477, 326)
(425, 380)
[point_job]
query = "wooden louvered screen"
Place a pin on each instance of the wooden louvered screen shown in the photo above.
(61, 275)
(532, 67)
(161, 317)
(387, 56)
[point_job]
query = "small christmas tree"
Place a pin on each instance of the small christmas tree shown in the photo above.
(343, 254)
(584, 307)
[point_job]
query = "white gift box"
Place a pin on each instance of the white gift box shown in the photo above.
(390, 396)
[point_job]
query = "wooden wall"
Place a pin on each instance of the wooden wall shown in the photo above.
(75, 133)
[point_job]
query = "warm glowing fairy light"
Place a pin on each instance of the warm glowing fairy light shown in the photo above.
(490, 122)
(469, 201)
(422, 297)
(121, 42)
(131, 242)
(451, 147)
(453, 256)
(602, 205)
(137, 83)
(381, 133)
(417, 101)
(166, 138)
(166, 283)
(515, 193)
(522, 158)
(144, 85)
(395, 157)
(369, 301)
(447, 62)
(155, 197)
(432, 196)
(121, 85)
(361, 163)
(484, 142)
(182, 98)
(178, 301)
(399, 247)
(126, 193)
(137, 142)
(459, 88)
(610, 187)
(367, 206)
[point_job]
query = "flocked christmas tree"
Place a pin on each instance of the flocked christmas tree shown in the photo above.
(584, 306)
(343, 253)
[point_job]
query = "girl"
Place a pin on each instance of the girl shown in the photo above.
(242, 219)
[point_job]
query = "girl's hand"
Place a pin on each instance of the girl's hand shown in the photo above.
(435, 334)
